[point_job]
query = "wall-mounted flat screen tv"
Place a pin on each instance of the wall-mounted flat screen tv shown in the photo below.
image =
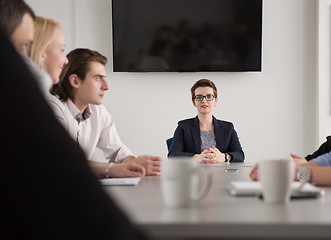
(187, 35)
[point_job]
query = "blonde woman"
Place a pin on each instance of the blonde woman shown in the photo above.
(47, 49)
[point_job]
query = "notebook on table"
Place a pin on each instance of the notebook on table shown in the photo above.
(250, 188)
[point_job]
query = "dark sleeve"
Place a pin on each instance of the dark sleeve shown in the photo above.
(47, 190)
(324, 148)
(235, 149)
(177, 148)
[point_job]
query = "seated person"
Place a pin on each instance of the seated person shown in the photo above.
(320, 158)
(317, 171)
(205, 137)
(16, 22)
(81, 90)
(47, 188)
(324, 148)
(47, 51)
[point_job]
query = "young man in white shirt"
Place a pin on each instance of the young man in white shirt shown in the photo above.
(81, 90)
(17, 22)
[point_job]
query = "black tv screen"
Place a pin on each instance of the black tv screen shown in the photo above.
(187, 35)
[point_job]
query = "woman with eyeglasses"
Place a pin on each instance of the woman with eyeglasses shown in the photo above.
(205, 137)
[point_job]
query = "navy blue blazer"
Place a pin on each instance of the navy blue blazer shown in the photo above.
(187, 141)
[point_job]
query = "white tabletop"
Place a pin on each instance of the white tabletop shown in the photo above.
(221, 215)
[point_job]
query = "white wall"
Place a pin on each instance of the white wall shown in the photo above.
(324, 63)
(274, 111)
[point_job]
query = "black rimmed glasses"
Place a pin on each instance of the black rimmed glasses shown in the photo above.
(199, 98)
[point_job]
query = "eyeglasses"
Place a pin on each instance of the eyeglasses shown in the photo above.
(199, 98)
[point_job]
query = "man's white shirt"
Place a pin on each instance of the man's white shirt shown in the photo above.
(94, 128)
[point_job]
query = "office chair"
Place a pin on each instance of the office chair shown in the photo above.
(169, 141)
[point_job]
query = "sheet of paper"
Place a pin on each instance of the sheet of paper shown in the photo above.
(254, 188)
(120, 181)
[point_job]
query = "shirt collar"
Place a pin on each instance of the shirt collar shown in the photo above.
(76, 113)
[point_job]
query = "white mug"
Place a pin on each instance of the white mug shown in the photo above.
(180, 180)
(276, 178)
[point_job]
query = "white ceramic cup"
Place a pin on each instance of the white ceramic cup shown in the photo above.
(180, 181)
(276, 178)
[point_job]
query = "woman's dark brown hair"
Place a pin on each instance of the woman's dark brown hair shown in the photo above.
(203, 83)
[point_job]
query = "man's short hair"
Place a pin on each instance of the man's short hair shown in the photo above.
(79, 60)
(11, 15)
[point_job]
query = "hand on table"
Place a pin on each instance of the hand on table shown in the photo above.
(152, 164)
(126, 170)
(254, 174)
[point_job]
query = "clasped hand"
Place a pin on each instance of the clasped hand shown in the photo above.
(212, 155)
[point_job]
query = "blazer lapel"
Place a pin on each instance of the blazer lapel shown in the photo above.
(196, 135)
(219, 133)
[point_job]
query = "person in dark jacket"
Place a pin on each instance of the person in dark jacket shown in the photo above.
(48, 190)
(16, 22)
(324, 148)
(205, 137)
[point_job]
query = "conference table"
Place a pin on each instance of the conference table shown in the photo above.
(223, 216)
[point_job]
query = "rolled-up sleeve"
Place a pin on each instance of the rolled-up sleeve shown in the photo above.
(323, 160)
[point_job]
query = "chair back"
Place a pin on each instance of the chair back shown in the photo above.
(169, 141)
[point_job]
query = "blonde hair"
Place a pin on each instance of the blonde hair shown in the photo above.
(43, 37)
